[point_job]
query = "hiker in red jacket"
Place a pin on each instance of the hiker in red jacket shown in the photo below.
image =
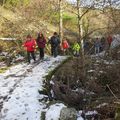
(30, 46)
(41, 41)
(109, 40)
(65, 46)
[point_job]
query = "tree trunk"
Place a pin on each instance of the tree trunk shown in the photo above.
(3, 3)
(61, 20)
(80, 27)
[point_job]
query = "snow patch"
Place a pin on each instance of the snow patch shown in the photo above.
(19, 95)
(53, 112)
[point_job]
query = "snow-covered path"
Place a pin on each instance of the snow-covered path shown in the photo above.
(19, 90)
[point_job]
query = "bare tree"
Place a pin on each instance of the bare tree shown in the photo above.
(80, 28)
(61, 20)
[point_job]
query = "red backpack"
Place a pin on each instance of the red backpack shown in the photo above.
(65, 45)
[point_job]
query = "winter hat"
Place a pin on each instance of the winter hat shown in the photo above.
(29, 36)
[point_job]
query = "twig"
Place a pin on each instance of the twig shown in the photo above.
(112, 92)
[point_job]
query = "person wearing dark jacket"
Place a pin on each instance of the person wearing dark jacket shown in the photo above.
(41, 41)
(55, 42)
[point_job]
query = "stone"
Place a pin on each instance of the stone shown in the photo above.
(68, 114)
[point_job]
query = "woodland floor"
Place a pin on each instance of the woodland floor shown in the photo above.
(97, 88)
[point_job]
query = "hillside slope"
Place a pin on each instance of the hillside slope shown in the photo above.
(15, 24)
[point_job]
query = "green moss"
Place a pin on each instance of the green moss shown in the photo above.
(68, 17)
(2, 70)
(54, 102)
(43, 116)
(2, 58)
(117, 115)
(43, 91)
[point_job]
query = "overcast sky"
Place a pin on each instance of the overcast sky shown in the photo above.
(83, 2)
(72, 0)
(115, 3)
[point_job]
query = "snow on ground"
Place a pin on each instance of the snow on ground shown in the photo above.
(116, 41)
(79, 117)
(2, 64)
(19, 90)
(53, 112)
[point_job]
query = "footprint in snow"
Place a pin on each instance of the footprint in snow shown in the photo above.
(17, 98)
(23, 113)
(5, 110)
(26, 105)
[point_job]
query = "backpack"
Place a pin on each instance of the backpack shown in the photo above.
(65, 45)
(55, 41)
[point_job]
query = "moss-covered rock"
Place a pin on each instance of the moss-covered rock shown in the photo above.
(68, 114)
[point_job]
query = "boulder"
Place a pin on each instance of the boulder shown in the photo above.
(68, 114)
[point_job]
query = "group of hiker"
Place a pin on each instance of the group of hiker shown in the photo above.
(101, 44)
(97, 45)
(31, 44)
(40, 43)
